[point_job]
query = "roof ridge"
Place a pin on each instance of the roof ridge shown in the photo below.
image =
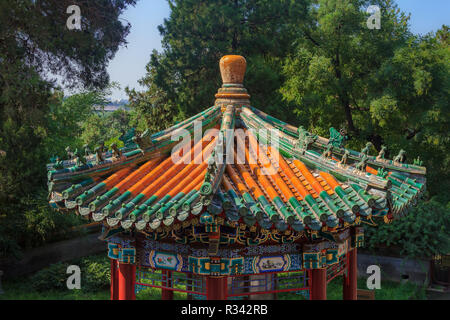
(323, 142)
(218, 158)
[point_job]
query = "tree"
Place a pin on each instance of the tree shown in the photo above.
(106, 128)
(385, 86)
(35, 32)
(153, 104)
(35, 45)
(336, 54)
(67, 118)
(23, 103)
(36, 42)
(184, 77)
(423, 233)
(410, 107)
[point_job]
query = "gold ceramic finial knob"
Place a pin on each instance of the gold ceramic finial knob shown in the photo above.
(232, 69)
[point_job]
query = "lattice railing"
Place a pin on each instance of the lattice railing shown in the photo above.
(239, 286)
(174, 281)
(266, 283)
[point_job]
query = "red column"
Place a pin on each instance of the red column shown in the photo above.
(114, 280)
(127, 281)
(132, 286)
(167, 281)
(350, 281)
(318, 284)
(216, 288)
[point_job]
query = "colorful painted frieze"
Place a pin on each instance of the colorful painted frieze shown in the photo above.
(165, 260)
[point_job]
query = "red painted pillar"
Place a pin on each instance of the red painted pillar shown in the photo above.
(216, 288)
(319, 284)
(167, 281)
(127, 281)
(350, 281)
(114, 280)
(132, 286)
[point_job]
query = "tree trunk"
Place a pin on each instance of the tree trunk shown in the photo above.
(343, 96)
(348, 114)
(376, 140)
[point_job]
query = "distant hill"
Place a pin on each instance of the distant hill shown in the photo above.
(113, 106)
(121, 102)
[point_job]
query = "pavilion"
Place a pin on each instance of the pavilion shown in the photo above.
(233, 203)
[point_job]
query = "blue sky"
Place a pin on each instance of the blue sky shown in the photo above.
(128, 66)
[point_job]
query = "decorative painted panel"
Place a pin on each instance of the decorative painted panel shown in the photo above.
(296, 262)
(127, 255)
(271, 264)
(113, 250)
(215, 265)
(314, 260)
(165, 260)
(199, 265)
(332, 256)
(344, 247)
(123, 242)
(235, 266)
(281, 248)
(122, 254)
(358, 238)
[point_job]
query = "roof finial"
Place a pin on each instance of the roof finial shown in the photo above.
(232, 70)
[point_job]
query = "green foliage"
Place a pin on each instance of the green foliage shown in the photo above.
(389, 291)
(329, 74)
(21, 291)
(27, 219)
(23, 99)
(35, 121)
(107, 128)
(32, 223)
(425, 231)
(385, 86)
(95, 275)
(23, 130)
(53, 277)
(96, 272)
(35, 33)
(42, 224)
(152, 106)
(66, 119)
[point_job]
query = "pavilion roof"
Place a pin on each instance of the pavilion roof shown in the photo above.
(302, 182)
